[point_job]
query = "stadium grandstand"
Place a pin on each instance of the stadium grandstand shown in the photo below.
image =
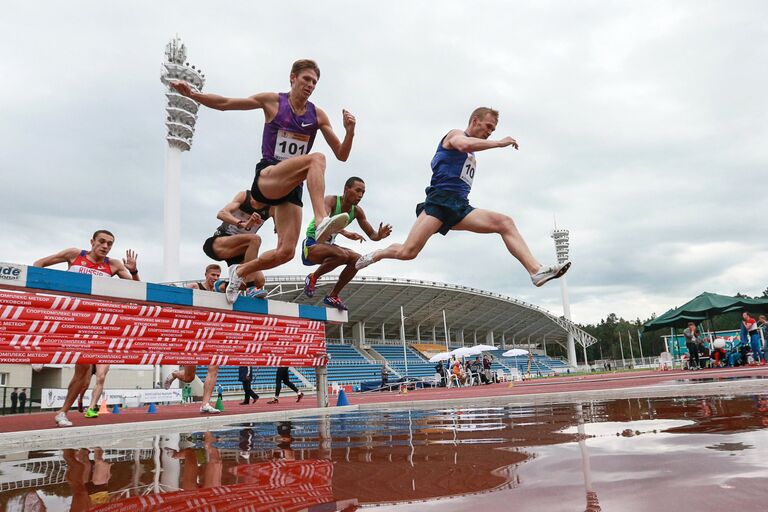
(375, 332)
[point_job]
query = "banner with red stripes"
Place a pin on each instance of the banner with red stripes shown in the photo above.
(40, 329)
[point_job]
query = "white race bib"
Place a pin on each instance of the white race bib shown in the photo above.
(468, 169)
(290, 144)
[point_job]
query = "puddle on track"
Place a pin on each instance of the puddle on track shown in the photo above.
(627, 455)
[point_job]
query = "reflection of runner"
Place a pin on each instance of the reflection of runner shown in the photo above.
(447, 206)
(96, 263)
(329, 255)
(282, 377)
(210, 470)
(88, 482)
(291, 124)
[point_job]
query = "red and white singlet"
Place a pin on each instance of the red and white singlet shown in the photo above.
(82, 265)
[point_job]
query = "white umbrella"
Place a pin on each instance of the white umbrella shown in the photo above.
(515, 352)
(442, 356)
(463, 352)
(483, 348)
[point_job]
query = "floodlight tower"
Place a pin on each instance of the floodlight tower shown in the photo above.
(562, 247)
(181, 116)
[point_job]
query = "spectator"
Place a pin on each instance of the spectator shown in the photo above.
(487, 373)
(692, 343)
(245, 375)
(476, 367)
(762, 324)
(749, 333)
(14, 400)
(457, 373)
(440, 369)
(22, 400)
(384, 376)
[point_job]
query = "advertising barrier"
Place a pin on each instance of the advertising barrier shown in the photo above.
(54, 398)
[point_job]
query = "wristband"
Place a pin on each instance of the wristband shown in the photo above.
(134, 272)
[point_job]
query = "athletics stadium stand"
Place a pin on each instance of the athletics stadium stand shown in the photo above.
(417, 366)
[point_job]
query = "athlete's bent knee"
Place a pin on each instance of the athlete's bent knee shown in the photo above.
(317, 159)
(285, 254)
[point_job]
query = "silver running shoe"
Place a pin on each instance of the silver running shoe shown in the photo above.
(168, 382)
(365, 260)
(209, 409)
(62, 421)
(548, 273)
(330, 226)
(233, 288)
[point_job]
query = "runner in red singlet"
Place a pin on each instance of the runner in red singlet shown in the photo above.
(94, 262)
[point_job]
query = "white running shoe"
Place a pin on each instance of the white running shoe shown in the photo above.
(208, 408)
(37, 367)
(168, 382)
(62, 421)
(545, 274)
(330, 226)
(233, 288)
(365, 260)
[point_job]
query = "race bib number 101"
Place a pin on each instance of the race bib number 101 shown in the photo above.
(290, 144)
(468, 170)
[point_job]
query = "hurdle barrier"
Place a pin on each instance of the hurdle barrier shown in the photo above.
(51, 316)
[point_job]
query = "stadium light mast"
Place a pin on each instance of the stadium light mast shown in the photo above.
(181, 116)
(562, 247)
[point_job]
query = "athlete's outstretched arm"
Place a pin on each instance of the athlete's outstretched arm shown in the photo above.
(262, 100)
(340, 148)
(126, 269)
(375, 235)
(65, 256)
(456, 139)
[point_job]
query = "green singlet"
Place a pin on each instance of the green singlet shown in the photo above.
(336, 211)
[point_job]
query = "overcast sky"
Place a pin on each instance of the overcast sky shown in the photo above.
(642, 128)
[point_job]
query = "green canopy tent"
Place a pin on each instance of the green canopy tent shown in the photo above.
(703, 308)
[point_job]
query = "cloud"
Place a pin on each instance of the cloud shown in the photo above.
(640, 128)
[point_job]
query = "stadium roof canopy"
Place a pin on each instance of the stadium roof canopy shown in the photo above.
(471, 314)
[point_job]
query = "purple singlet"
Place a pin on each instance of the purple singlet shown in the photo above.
(289, 135)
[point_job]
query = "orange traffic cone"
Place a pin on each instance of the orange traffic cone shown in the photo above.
(103, 407)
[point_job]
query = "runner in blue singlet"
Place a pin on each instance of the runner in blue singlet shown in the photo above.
(291, 123)
(447, 205)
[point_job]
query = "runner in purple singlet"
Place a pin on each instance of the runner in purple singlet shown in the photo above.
(291, 123)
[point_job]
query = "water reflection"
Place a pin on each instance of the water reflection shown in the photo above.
(542, 458)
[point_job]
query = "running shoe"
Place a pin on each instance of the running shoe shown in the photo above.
(37, 367)
(329, 226)
(335, 302)
(273, 401)
(62, 421)
(255, 293)
(233, 288)
(364, 261)
(309, 285)
(548, 273)
(168, 382)
(208, 408)
(90, 413)
(298, 398)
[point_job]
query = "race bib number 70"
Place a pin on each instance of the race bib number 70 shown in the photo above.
(468, 169)
(290, 144)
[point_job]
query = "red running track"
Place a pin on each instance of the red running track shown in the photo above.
(44, 420)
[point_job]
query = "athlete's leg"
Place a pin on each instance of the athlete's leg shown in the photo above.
(101, 375)
(233, 246)
(81, 377)
(347, 274)
(424, 227)
(278, 180)
(327, 256)
(486, 221)
(288, 225)
(210, 383)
